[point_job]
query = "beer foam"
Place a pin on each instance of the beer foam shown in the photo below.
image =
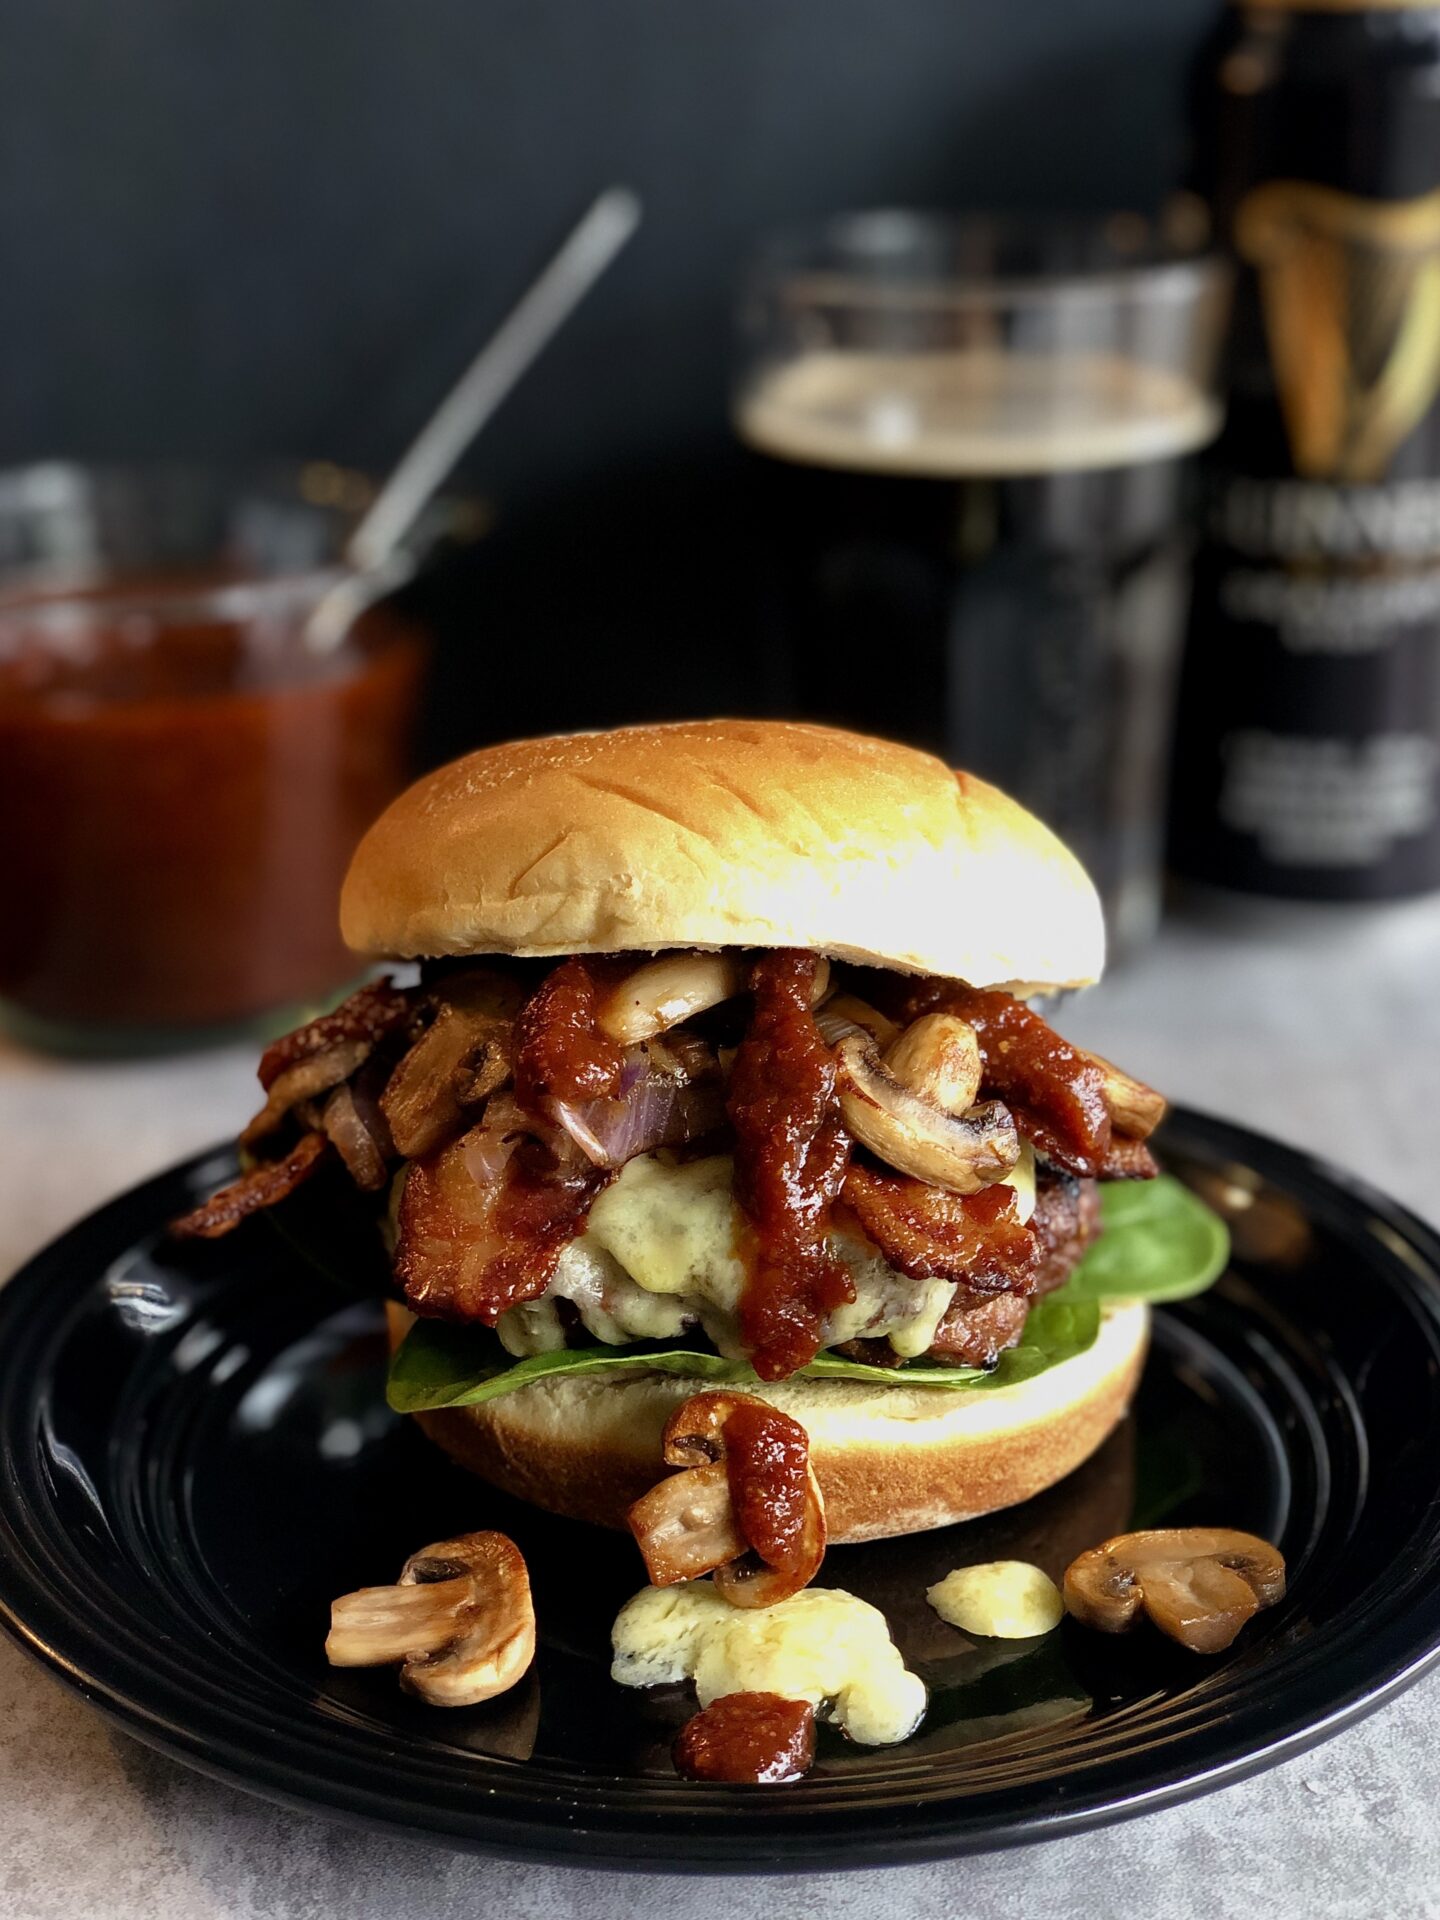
(947, 415)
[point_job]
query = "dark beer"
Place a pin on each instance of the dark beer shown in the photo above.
(984, 552)
(1308, 758)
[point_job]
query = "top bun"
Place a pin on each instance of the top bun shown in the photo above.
(724, 833)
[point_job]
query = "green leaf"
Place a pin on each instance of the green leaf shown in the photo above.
(439, 1365)
(1160, 1243)
(1056, 1328)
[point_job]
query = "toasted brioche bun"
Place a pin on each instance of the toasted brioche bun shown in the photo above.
(890, 1459)
(721, 833)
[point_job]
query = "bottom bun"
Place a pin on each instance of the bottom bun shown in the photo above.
(890, 1459)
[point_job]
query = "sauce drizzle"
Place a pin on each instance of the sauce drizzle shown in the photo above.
(791, 1152)
(560, 1051)
(1056, 1092)
(767, 1455)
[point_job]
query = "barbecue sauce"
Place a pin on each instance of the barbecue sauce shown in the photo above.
(791, 1152)
(560, 1051)
(752, 1739)
(179, 800)
(1055, 1092)
(767, 1458)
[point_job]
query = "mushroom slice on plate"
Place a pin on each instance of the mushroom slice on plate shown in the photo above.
(461, 1621)
(961, 1152)
(1197, 1584)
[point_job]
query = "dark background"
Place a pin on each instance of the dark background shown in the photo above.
(283, 226)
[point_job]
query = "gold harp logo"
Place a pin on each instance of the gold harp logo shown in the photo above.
(1350, 293)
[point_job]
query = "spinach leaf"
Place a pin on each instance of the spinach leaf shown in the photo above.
(1160, 1243)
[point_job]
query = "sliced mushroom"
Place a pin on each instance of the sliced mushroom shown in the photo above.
(461, 1622)
(1133, 1107)
(666, 991)
(304, 1081)
(1199, 1585)
(938, 1057)
(844, 1013)
(461, 1058)
(685, 1525)
(744, 1461)
(959, 1152)
(676, 987)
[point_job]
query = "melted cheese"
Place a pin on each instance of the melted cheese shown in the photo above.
(661, 1253)
(1000, 1600)
(822, 1645)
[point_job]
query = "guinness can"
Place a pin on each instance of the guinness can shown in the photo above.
(1308, 755)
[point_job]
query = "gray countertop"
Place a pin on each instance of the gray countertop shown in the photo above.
(1312, 1027)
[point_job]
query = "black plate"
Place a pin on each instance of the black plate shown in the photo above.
(198, 1458)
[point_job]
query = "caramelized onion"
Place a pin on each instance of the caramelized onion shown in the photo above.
(356, 1129)
(656, 1107)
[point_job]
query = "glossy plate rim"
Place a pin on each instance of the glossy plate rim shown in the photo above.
(338, 1771)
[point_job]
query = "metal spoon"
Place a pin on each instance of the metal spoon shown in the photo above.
(372, 552)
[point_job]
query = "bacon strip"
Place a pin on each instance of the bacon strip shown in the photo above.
(976, 1238)
(484, 1220)
(368, 1015)
(1127, 1159)
(259, 1188)
(791, 1152)
(1055, 1091)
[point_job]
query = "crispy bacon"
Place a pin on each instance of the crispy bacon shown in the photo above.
(976, 1238)
(979, 1326)
(261, 1187)
(1055, 1091)
(791, 1152)
(367, 1016)
(484, 1220)
(560, 1051)
(1127, 1159)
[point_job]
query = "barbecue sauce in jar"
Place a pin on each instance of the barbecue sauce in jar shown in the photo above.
(182, 784)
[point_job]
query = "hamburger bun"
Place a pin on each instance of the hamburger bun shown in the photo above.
(890, 1459)
(716, 833)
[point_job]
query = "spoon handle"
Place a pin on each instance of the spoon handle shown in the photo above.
(539, 313)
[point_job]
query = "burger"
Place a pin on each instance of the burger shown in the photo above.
(717, 1059)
